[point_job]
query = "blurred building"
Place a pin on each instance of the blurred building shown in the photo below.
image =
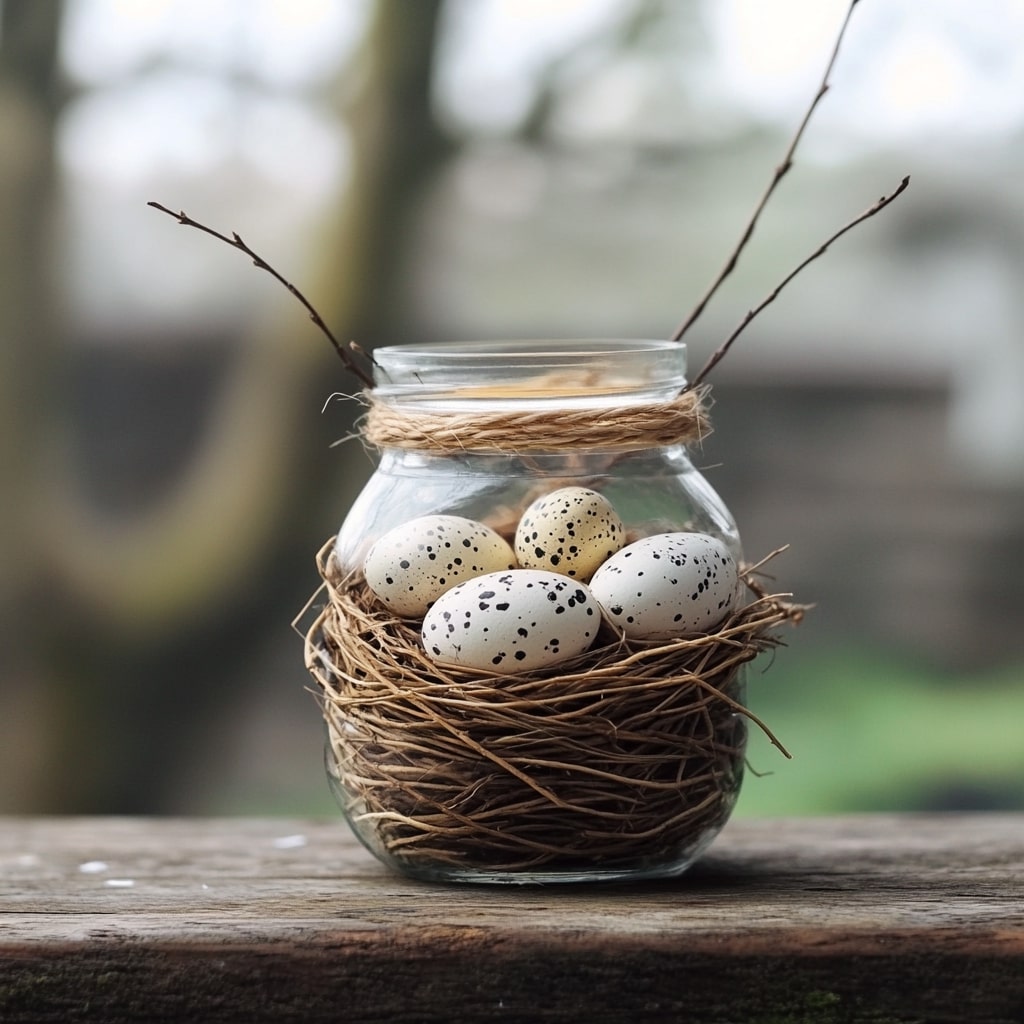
(586, 168)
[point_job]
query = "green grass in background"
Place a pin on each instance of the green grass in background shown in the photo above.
(870, 733)
(867, 732)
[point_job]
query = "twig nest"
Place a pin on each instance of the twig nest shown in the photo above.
(630, 752)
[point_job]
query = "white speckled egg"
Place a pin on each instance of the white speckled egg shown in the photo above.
(570, 531)
(669, 585)
(511, 621)
(411, 566)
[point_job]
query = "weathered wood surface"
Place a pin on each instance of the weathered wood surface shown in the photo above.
(876, 918)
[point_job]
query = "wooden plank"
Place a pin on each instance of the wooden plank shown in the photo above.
(874, 918)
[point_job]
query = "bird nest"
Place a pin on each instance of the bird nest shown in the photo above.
(627, 755)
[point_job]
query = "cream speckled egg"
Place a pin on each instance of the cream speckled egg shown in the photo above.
(511, 621)
(669, 585)
(569, 531)
(412, 565)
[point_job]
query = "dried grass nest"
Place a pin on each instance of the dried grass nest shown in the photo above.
(632, 752)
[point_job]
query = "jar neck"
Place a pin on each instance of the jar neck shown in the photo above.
(529, 375)
(527, 397)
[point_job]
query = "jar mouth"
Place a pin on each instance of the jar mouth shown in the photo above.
(531, 370)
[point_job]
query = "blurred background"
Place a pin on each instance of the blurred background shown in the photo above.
(462, 169)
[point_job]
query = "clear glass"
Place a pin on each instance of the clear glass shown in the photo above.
(654, 490)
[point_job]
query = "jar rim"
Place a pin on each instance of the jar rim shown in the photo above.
(513, 347)
(531, 369)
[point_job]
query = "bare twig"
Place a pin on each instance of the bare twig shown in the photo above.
(770, 298)
(777, 176)
(235, 240)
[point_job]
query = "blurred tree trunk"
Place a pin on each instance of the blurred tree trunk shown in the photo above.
(402, 149)
(159, 627)
(29, 104)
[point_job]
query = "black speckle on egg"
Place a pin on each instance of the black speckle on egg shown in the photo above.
(502, 607)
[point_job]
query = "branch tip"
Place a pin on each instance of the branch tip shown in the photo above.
(235, 241)
(780, 172)
(721, 351)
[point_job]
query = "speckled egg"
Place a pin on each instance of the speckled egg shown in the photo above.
(411, 566)
(511, 621)
(570, 531)
(669, 585)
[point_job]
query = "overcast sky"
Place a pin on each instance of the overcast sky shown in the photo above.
(911, 70)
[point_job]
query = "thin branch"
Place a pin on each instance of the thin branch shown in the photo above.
(820, 251)
(235, 240)
(777, 176)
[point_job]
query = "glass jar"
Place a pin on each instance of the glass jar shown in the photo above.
(486, 800)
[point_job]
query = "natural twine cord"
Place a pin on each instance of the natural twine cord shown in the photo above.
(682, 420)
(630, 752)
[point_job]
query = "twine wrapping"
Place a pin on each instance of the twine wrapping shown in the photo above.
(682, 420)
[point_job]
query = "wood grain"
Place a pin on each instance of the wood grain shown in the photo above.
(873, 918)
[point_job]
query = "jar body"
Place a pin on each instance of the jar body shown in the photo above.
(653, 490)
(491, 803)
